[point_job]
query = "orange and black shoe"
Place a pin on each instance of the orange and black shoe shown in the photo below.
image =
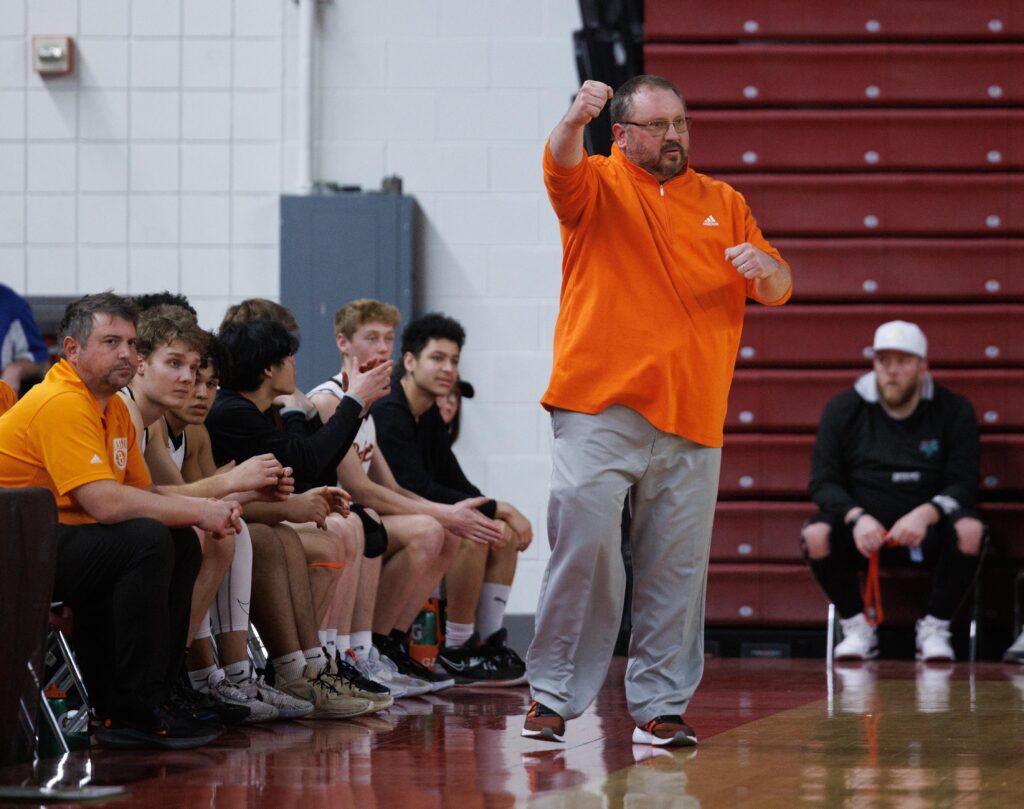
(164, 728)
(543, 723)
(668, 730)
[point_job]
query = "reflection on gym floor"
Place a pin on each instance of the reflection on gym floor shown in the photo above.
(773, 734)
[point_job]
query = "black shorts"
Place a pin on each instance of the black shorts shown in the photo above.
(376, 534)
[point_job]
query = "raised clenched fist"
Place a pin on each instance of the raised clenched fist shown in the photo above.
(589, 102)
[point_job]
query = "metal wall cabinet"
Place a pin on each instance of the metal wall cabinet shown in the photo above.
(338, 247)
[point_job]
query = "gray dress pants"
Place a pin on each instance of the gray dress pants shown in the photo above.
(673, 484)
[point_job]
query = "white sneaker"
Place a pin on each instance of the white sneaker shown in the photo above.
(860, 640)
(412, 686)
(220, 688)
(288, 707)
(933, 639)
(371, 668)
(1015, 654)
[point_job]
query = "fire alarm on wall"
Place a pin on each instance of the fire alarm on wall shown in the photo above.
(53, 55)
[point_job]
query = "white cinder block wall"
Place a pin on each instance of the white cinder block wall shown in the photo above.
(158, 164)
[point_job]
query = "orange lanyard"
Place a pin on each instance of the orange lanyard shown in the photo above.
(873, 591)
(873, 594)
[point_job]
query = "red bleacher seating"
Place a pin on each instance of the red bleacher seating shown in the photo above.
(881, 147)
(756, 594)
(885, 205)
(821, 336)
(879, 269)
(857, 140)
(758, 531)
(983, 20)
(792, 400)
(841, 75)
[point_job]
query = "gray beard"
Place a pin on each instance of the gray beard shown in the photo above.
(658, 173)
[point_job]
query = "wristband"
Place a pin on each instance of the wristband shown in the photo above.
(853, 522)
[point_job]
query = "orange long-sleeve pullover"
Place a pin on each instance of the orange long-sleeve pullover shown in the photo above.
(650, 311)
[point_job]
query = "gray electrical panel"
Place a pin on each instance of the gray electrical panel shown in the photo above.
(338, 247)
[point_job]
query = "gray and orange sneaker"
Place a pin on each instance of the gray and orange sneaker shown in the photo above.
(543, 723)
(668, 730)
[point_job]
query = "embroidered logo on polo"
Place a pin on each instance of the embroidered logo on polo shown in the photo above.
(929, 447)
(121, 453)
(710, 222)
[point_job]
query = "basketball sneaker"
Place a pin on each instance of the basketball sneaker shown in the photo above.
(288, 707)
(221, 689)
(329, 698)
(668, 730)
(543, 723)
(860, 640)
(932, 640)
(505, 657)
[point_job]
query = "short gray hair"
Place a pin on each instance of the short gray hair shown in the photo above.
(79, 316)
(621, 107)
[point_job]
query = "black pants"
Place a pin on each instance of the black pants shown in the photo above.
(130, 588)
(951, 578)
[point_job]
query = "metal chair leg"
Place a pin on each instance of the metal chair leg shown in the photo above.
(73, 670)
(975, 627)
(830, 635)
(66, 675)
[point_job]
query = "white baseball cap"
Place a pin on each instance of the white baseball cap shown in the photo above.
(899, 335)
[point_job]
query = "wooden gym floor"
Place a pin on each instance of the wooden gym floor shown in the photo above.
(773, 734)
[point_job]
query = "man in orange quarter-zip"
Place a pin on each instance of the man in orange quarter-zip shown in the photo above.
(658, 262)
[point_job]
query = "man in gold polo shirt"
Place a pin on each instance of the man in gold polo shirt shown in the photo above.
(127, 555)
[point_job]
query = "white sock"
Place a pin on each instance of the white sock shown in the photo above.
(315, 655)
(490, 609)
(289, 667)
(328, 639)
(343, 642)
(457, 634)
(361, 643)
(239, 672)
(200, 677)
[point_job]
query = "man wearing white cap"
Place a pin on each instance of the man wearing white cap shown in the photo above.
(895, 463)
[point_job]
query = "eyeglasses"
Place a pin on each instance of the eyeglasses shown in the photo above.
(659, 128)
